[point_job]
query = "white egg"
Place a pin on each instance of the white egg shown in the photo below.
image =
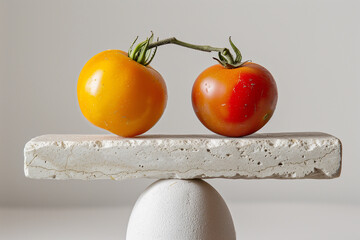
(175, 209)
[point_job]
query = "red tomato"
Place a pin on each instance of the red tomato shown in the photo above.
(234, 102)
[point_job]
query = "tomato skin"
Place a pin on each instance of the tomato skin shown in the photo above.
(234, 102)
(120, 95)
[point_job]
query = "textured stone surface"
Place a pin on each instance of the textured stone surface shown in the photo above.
(275, 155)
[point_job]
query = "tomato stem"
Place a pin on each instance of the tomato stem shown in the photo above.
(142, 54)
(184, 44)
(205, 48)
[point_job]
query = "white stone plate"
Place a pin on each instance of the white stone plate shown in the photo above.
(273, 155)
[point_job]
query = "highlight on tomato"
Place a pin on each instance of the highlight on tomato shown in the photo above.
(120, 92)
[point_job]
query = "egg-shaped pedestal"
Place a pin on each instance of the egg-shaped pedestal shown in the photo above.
(180, 210)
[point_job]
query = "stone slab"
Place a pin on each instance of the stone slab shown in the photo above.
(258, 156)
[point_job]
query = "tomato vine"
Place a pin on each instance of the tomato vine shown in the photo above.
(143, 53)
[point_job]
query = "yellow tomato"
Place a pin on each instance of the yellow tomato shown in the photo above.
(120, 95)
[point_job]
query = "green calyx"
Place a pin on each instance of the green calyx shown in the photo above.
(143, 53)
(227, 60)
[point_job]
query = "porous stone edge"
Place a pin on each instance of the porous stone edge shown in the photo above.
(315, 166)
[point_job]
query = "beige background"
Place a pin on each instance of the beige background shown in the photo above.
(311, 48)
